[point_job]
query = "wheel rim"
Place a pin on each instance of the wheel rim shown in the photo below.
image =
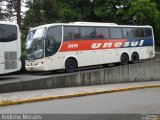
(70, 65)
(124, 59)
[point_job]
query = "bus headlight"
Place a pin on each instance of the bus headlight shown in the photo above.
(40, 63)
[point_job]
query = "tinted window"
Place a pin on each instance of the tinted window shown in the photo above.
(53, 40)
(139, 32)
(102, 33)
(8, 33)
(128, 32)
(133, 32)
(148, 32)
(71, 33)
(88, 33)
(39, 33)
(31, 34)
(116, 32)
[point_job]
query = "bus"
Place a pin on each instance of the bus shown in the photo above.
(10, 47)
(71, 45)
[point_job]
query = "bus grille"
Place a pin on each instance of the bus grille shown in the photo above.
(10, 60)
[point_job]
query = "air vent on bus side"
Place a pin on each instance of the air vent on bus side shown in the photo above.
(10, 60)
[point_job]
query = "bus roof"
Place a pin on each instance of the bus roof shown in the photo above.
(89, 24)
(93, 23)
(8, 23)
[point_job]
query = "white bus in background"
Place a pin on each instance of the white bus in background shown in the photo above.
(72, 45)
(10, 47)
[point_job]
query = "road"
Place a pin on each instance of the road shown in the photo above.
(157, 55)
(130, 102)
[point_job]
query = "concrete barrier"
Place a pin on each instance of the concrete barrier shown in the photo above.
(147, 71)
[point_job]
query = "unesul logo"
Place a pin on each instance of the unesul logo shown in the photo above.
(117, 44)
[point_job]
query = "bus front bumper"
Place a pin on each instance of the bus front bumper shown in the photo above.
(34, 68)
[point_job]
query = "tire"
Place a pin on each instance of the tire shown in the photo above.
(70, 65)
(124, 59)
(134, 58)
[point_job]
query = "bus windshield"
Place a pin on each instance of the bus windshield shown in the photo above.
(36, 49)
(39, 33)
(33, 34)
(52, 41)
(30, 35)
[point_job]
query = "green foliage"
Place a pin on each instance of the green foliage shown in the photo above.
(49, 11)
(148, 14)
(145, 12)
(111, 10)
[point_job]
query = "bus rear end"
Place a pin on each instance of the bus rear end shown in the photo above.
(10, 48)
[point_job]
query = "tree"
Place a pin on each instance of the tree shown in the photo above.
(157, 2)
(79, 10)
(49, 11)
(2, 11)
(12, 10)
(35, 15)
(111, 10)
(146, 15)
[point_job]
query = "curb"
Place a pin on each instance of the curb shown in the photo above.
(6, 103)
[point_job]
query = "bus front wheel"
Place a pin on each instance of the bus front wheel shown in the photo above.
(70, 65)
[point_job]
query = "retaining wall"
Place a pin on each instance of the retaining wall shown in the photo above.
(147, 71)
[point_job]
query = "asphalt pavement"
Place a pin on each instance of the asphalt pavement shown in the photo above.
(143, 101)
(59, 93)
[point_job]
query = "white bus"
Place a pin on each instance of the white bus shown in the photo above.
(10, 47)
(72, 45)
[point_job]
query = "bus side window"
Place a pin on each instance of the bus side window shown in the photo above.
(102, 33)
(139, 32)
(71, 33)
(116, 33)
(53, 40)
(148, 32)
(88, 33)
(128, 32)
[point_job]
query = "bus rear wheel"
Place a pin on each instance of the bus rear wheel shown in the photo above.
(70, 65)
(134, 58)
(124, 59)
